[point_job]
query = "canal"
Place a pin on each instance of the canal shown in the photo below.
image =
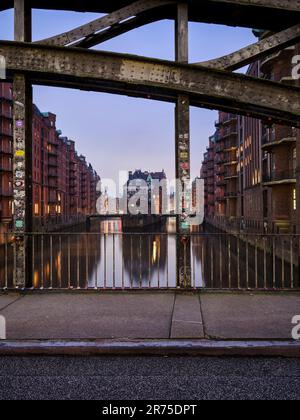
(108, 258)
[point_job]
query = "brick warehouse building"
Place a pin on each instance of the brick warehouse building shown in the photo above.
(64, 185)
(250, 168)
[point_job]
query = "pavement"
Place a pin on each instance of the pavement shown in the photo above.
(147, 378)
(196, 321)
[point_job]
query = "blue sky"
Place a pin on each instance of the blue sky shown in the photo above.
(119, 133)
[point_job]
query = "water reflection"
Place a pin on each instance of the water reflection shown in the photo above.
(107, 258)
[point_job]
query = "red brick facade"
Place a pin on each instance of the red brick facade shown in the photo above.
(64, 185)
(253, 184)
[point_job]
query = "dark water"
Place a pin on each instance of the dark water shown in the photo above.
(107, 258)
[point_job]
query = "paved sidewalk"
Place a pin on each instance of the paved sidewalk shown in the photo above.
(149, 316)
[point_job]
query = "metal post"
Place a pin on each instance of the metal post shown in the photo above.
(22, 160)
(183, 173)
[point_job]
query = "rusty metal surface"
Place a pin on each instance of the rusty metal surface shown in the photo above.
(87, 33)
(164, 80)
(249, 13)
(256, 51)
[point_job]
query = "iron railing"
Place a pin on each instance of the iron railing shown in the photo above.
(129, 261)
(277, 176)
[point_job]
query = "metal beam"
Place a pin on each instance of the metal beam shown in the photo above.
(163, 80)
(257, 51)
(123, 27)
(263, 14)
(22, 159)
(86, 35)
(182, 152)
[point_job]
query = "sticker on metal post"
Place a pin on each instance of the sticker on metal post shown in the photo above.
(19, 124)
(20, 153)
(19, 224)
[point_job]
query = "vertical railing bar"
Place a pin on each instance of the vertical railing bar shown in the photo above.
(131, 262)
(239, 261)
(247, 263)
(221, 262)
(167, 258)
(96, 265)
(32, 258)
(6, 261)
(51, 262)
(141, 262)
(265, 263)
(86, 263)
(150, 271)
(114, 262)
(123, 279)
(292, 264)
(274, 262)
(78, 262)
(14, 260)
(229, 262)
(69, 262)
(42, 261)
(61, 260)
(256, 264)
(211, 265)
(194, 264)
(202, 263)
(105, 262)
(158, 263)
(282, 263)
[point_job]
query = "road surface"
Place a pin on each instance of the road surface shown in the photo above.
(137, 378)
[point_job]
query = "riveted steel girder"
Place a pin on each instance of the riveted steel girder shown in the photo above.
(257, 51)
(163, 80)
(88, 33)
(263, 14)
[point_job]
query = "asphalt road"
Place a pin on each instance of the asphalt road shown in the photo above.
(154, 378)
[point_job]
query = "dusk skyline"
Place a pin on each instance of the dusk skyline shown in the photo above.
(143, 138)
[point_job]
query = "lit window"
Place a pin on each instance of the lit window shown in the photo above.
(294, 199)
(36, 209)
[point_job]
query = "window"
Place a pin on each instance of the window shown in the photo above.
(294, 199)
(36, 209)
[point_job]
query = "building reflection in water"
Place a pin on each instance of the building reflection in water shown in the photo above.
(106, 258)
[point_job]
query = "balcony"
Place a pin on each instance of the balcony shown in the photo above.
(221, 183)
(226, 119)
(282, 135)
(53, 184)
(280, 177)
(52, 162)
(6, 149)
(228, 133)
(52, 173)
(220, 198)
(220, 160)
(6, 131)
(230, 175)
(6, 114)
(231, 163)
(6, 97)
(231, 195)
(5, 166)
(6, 192)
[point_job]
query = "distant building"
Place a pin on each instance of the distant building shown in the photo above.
(141, 182)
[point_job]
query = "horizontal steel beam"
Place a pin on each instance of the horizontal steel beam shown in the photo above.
(157, 79)
(88, 32)
(263, 14)
(123, 27)
(257, 51)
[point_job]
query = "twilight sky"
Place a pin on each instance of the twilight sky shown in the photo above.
(119, 133)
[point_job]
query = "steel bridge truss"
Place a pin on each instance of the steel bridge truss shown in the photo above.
(65, 60)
